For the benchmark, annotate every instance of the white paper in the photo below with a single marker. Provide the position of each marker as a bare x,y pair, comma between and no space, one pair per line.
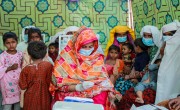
148,107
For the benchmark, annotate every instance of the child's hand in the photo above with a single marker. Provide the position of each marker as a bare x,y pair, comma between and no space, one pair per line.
147,81
127,77
127,70
14,66
134,81
115,70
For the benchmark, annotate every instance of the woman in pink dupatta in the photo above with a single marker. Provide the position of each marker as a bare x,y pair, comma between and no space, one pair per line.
73,70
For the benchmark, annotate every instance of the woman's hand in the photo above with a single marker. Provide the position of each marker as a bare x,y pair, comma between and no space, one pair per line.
174,103
83,86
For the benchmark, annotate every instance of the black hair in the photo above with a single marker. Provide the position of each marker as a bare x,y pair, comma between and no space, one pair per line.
138,42
114,47
173,32
54,45
157,61
8,35
115,34
26,30
37,49
129,46
34,30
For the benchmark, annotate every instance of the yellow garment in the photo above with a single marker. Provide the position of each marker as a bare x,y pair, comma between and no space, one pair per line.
118,29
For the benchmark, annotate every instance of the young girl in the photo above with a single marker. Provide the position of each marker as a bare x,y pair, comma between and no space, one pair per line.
35,79
114,66
127,57
53,51
22,46
10,68
34,34
149,80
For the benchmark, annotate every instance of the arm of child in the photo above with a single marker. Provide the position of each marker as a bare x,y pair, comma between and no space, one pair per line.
3,69
23,84
26,59
112,79
13,67
133,72
22,98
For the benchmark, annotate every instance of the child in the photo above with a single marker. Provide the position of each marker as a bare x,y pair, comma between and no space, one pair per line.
22,46
10,68
149,80
34,34
127,57
35,79
53,51
114,66
141,60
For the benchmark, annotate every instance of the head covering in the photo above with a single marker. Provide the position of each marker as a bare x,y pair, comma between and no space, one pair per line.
170,27
155,33
156,38
23,30
73,68
53,38
168,74
100,50
119,29
68,29
71,28
166,28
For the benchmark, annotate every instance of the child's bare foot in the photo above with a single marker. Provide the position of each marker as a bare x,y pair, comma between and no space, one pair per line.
139,100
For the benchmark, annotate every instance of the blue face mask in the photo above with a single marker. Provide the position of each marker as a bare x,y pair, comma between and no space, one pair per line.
153,67
165,38
86,52
122,39
25,38
148,41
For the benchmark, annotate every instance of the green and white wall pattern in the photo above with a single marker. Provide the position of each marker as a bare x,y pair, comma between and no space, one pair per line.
154,12
52,16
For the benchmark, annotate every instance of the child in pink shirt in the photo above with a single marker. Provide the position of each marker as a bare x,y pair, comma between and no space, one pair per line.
10,68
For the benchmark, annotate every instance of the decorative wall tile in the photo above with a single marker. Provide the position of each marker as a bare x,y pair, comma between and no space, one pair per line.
52,16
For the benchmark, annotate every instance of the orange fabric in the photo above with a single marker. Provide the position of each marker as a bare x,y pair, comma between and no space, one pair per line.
120,65
72,68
